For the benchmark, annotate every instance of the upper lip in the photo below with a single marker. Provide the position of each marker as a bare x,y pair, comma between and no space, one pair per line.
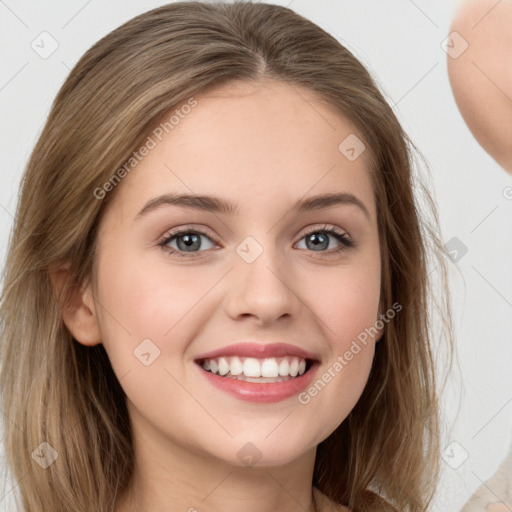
260,351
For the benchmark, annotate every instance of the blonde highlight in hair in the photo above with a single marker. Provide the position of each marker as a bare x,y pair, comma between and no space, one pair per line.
57,391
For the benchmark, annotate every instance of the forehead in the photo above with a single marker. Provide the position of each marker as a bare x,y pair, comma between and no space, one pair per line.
252,141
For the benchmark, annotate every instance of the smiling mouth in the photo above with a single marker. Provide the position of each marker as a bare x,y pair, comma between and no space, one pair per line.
251,369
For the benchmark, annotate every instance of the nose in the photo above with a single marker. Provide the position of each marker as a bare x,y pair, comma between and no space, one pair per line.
263,289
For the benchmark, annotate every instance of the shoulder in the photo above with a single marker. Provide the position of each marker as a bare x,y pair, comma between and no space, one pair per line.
325,504
372,499
376,500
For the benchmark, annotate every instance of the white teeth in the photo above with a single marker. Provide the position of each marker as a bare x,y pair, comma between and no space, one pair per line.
260,380
284,367
252,367
223,366
269,369
236,366
294,367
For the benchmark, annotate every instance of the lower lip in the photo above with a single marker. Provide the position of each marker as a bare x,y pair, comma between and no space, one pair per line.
261,392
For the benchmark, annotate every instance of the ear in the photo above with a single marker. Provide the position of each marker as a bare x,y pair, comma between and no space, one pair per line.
77,305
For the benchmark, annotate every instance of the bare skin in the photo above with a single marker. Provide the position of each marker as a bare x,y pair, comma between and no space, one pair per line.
481,77
265,148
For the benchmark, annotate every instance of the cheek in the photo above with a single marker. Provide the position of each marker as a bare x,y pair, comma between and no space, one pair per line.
148,314
148,299
144,309
350,317
347,301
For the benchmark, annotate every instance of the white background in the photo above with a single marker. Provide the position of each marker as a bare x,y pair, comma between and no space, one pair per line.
399,41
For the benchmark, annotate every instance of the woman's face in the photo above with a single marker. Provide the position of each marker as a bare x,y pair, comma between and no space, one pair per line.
262,272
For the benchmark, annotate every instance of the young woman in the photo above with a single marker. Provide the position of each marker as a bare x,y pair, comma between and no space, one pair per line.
216,294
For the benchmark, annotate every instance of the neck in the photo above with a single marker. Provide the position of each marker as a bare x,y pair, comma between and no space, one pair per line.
167,473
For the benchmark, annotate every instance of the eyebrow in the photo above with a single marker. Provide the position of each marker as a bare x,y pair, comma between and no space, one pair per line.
219,205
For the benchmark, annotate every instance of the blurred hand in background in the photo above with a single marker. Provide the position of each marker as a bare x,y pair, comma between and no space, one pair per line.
481,76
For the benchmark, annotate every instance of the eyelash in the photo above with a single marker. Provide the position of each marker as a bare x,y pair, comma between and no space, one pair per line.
346,242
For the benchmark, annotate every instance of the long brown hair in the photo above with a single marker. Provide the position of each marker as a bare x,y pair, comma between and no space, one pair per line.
59,392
